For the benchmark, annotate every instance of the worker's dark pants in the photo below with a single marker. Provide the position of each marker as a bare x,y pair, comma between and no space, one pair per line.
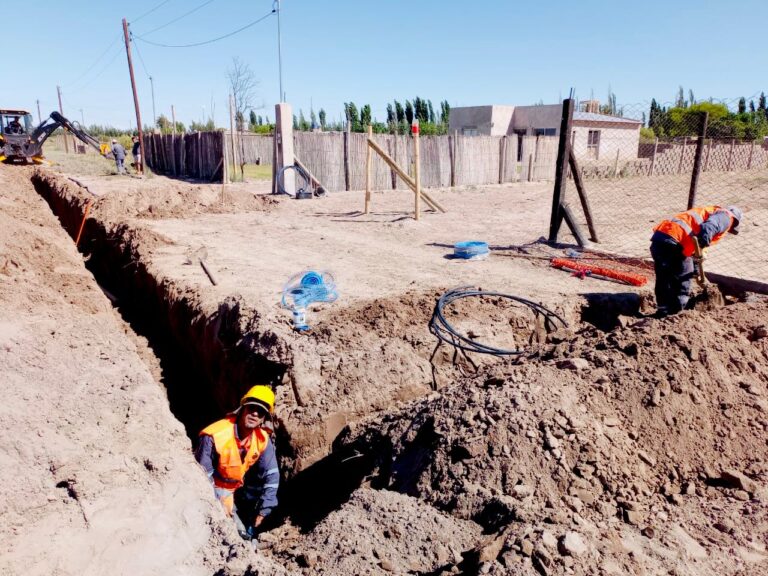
674,273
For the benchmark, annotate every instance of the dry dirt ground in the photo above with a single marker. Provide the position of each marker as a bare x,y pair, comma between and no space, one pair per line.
639,447
97,477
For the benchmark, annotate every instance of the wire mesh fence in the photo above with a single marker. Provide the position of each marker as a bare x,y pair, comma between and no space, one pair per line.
643,164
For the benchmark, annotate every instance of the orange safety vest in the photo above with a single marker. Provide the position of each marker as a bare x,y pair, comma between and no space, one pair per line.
682,227
232,468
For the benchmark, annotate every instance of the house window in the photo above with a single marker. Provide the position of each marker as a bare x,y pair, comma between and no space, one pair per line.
469,131
593,143
545,131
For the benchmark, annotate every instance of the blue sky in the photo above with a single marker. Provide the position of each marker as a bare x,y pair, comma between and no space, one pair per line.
469,53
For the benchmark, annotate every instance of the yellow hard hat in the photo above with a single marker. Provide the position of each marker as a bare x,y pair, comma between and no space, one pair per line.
260,395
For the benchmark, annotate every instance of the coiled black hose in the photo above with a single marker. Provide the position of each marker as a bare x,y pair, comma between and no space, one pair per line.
443,330
320,191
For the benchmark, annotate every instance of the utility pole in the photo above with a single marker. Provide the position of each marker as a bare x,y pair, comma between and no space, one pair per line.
61,111
135,94
39,116
82,118
154,115
279,53
173,118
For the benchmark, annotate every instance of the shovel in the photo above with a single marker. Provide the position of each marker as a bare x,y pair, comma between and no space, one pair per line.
711,296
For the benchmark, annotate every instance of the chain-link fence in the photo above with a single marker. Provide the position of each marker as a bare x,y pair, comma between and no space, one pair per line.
643,164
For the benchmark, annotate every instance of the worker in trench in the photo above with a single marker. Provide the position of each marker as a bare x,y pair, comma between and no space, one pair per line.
238,455
673,248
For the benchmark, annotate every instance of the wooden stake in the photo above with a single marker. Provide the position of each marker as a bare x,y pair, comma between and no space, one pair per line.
751,153
530,167
616,164
582,195
368,155
416,169
173,118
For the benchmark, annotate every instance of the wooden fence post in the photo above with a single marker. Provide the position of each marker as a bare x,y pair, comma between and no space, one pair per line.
561,169
653,158
616,164
502,158
730,154
368,171
346,157
530,167
453,149
416,168
682,155
697,159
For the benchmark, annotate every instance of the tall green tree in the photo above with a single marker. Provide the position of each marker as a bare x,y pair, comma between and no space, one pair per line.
680,100
365,116
321,116
431,112
409,111
399,112
742,105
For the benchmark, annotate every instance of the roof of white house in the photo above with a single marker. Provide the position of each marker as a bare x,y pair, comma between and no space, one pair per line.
592,117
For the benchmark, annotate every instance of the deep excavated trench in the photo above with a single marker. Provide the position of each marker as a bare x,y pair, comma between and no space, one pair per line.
200,355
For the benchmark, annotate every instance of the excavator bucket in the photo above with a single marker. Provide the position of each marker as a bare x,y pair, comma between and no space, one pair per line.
104,149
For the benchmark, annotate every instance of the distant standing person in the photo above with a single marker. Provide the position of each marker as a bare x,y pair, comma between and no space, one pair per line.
136,151
119,152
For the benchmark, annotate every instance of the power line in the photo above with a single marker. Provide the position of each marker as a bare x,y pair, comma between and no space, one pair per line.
177,19
208,41
147,13
91,67
104,69
141,59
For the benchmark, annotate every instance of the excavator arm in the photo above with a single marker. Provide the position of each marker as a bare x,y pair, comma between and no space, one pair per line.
56,120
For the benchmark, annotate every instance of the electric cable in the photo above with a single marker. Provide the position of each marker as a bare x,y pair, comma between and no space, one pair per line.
281,178
148,12
212,40
92,66
445,332
141,59
177,18
104,69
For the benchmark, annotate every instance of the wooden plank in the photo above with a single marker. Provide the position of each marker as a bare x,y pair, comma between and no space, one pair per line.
405,177
580,188
567,215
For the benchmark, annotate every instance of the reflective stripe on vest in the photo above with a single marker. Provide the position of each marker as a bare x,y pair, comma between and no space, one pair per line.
231,467
685,225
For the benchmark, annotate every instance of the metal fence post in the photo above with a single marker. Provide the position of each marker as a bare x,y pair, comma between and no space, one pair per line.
697,159
561,169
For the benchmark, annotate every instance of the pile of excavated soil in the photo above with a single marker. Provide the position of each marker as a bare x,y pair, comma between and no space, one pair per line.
641,450
96,475
375,532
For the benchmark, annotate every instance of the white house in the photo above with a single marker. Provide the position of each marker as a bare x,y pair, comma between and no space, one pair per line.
596,137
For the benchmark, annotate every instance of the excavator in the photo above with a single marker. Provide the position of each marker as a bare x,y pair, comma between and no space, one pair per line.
21,144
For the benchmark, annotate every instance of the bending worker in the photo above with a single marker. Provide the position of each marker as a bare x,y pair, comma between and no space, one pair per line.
240,460
673,247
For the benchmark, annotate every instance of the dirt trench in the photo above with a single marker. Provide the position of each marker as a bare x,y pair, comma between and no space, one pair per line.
622,445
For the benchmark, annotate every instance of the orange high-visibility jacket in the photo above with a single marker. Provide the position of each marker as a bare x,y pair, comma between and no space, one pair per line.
231,468
682,227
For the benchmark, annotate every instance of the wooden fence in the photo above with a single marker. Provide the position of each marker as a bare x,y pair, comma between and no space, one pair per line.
338,158
199,155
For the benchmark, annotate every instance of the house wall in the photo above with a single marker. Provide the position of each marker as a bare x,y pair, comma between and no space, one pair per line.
479,117
624,140
529,118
